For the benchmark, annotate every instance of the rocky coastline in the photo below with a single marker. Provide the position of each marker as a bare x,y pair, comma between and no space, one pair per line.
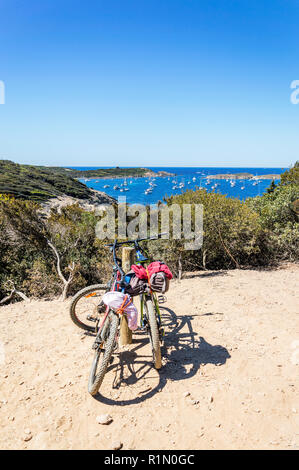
239,176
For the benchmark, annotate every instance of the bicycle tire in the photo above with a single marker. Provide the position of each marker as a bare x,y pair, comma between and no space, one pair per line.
75,301
154,334
96,378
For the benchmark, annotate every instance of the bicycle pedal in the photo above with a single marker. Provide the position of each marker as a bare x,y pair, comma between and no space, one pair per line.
162,299
97,345
140,328
91,318
161,333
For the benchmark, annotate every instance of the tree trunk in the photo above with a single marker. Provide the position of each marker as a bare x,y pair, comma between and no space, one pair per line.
12,295
71,267
180,266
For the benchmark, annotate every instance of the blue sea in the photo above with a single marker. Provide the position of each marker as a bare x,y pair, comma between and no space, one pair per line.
185,178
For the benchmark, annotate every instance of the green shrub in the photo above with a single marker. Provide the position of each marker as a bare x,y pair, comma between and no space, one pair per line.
279,220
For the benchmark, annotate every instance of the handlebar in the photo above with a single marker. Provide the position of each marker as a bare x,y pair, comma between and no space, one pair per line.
116,244
136,240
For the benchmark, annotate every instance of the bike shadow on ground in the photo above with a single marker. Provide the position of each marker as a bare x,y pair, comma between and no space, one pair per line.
183,352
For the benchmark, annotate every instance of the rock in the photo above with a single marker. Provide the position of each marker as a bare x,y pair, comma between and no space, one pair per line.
211,399
116,445
104,419
186,394
27,438
27,431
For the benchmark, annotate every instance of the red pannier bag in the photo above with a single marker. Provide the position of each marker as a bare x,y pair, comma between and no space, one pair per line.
159,282
157,274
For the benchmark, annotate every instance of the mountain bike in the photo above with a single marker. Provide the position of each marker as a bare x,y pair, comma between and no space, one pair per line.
89,312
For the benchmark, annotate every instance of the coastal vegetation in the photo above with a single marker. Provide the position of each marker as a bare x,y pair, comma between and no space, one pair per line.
57,254
40,183
110,172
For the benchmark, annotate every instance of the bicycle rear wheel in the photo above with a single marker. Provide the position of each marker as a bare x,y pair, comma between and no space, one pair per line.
103,355
154,333
87,308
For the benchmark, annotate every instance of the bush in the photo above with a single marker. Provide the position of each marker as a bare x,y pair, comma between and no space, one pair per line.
279,219
27,258
232,234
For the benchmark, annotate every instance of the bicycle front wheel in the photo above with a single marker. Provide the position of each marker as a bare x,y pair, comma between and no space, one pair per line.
154,333
87,308
102,356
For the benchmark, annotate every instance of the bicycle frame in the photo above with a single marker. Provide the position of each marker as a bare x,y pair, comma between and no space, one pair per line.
117,281
141,259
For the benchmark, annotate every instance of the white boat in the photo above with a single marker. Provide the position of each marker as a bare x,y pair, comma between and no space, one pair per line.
107,186
115,187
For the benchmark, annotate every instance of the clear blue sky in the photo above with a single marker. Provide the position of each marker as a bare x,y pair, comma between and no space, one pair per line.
149,82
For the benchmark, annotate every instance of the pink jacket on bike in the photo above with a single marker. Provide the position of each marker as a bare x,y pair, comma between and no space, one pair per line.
152,268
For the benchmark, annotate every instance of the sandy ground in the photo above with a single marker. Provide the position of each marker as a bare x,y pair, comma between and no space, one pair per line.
232,344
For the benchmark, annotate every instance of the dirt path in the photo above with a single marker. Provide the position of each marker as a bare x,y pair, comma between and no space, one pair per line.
230,375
